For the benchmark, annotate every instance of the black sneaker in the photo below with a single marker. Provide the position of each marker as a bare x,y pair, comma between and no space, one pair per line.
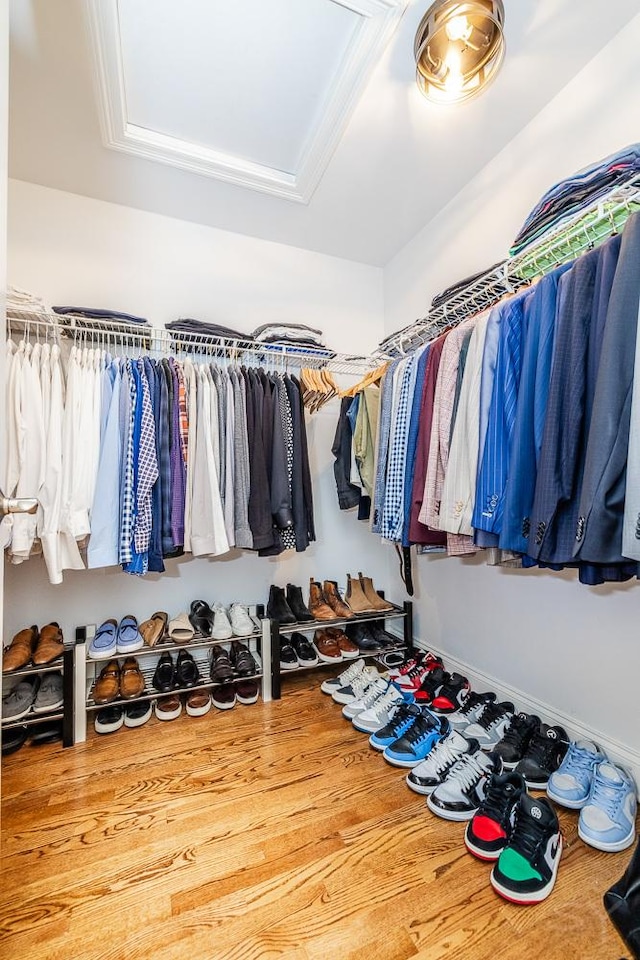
109,719
489,831
306,654
288,658
404,717
544,755
451,695
431,685
516,740
137,714
527,869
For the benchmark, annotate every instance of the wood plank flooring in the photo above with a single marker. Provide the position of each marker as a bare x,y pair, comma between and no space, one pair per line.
263,832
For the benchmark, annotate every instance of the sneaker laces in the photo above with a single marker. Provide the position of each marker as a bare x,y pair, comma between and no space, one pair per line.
579,761
498,801
388,699
492,714
405,713
372,694
444,756
607,795
518,733
421,729
542,749
352,671
473,700
359,685
468,770
527,836
407,667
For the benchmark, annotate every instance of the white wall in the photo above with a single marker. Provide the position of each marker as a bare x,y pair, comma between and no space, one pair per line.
70,249
569,646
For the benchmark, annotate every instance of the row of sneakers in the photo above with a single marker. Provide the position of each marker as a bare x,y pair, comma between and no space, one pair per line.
326,603
114,638
479,759
196,703
33,695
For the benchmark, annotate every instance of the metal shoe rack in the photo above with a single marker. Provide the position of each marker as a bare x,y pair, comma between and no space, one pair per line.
404,612
65,665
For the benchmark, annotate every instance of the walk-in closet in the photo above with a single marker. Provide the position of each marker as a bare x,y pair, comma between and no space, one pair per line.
319,474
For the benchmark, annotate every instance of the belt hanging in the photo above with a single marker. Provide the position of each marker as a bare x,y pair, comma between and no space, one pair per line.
404,558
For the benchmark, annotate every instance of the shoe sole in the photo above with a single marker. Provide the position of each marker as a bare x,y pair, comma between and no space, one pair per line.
123,650
247,701
479,853
198,711
165,715
563,802
308,663
378,746
18,716
608,847
329,688
138,721
224,706
289,666
399,762
102,654
326,659
457,816
49,706
418,788
529,898
108,728
227,635
237,632
350,654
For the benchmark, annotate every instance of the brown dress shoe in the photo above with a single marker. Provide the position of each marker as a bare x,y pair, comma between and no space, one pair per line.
18,653
327,647
335,601
347,647
107,686
318,606
356,598
131,679
50,645
373,596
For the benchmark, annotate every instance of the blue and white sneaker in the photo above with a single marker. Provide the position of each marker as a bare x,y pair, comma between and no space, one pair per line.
372,692
405,716
608,819
416,744
570,784
104,644
129,638
382,710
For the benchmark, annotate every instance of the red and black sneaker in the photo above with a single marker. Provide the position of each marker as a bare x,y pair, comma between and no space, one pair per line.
431,685
452,695
488,833
411,675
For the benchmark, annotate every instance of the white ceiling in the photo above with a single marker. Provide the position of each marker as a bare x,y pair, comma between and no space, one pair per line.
397,163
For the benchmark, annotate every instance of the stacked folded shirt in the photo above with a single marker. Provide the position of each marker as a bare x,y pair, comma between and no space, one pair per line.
461,285
21,301
92,313
578,191
202,329
297,334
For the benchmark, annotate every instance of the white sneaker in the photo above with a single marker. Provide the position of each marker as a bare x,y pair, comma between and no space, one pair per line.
380,712
376,689
356,687
221,626
432,771
343,679
461,793
241,623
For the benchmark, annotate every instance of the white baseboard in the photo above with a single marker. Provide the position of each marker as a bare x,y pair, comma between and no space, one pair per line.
619,752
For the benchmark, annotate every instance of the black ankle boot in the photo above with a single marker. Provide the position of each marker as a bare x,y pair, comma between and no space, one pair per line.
297,605
278,609
622,903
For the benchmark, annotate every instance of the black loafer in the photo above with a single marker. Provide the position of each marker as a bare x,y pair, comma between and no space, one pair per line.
201,617
221,666
109,719
13,738
187,673
243,660
306,654
163,678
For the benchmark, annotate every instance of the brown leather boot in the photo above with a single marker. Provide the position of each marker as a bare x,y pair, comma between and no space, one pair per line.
18,653
335,601
375,600
356,598
318,605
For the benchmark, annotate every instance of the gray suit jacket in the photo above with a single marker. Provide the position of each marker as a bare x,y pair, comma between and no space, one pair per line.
600,516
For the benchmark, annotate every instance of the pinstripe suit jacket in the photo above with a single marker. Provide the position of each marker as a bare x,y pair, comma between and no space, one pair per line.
600,522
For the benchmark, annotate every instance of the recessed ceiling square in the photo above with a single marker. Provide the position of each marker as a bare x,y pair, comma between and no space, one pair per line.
193,83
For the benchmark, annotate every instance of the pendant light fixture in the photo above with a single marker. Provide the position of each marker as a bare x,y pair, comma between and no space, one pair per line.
459,48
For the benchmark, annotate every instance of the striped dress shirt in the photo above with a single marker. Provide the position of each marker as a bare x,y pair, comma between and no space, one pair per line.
384,428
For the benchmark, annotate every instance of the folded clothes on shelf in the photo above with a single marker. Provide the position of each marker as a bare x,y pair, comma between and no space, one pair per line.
202,329
298,333
94,313
24,301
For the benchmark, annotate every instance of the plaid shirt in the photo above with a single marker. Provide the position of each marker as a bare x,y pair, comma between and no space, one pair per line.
393,510
184,414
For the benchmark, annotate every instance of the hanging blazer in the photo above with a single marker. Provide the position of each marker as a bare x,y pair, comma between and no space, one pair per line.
600,519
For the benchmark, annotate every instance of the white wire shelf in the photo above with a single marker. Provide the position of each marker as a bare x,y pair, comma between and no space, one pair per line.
574,236
117,335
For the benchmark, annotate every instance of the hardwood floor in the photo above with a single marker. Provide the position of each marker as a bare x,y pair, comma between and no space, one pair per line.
262,832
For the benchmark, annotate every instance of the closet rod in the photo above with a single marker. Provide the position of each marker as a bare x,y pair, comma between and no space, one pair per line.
574,236
159,341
